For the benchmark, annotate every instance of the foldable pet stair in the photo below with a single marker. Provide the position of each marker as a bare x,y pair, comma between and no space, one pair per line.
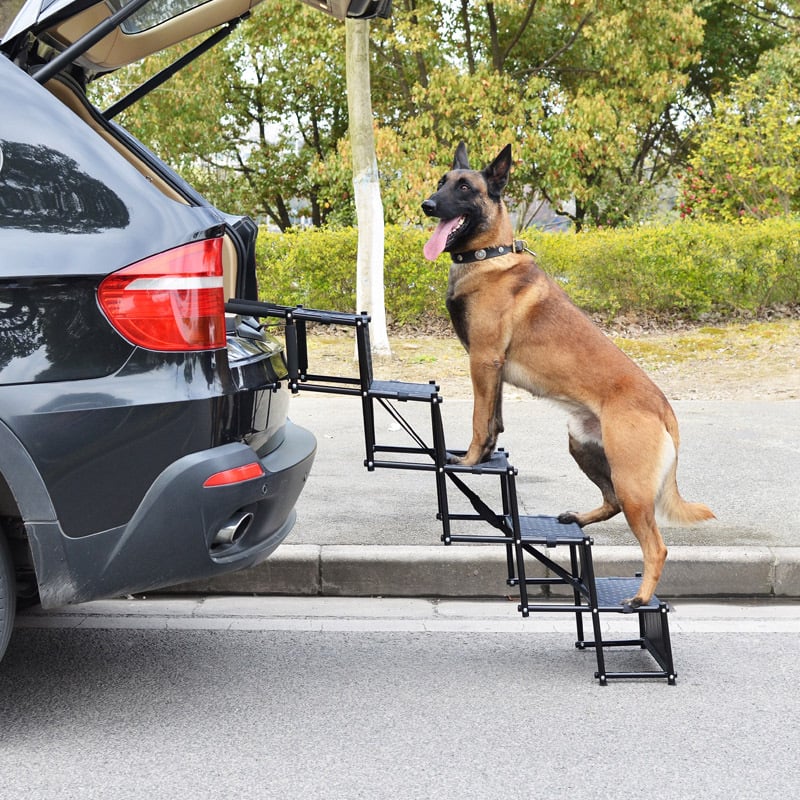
534,538
569,587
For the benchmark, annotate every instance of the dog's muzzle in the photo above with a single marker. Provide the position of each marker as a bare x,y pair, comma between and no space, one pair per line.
429,207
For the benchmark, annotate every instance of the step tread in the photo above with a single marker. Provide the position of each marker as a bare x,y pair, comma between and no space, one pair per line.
612,591
496,465
548,531
400,390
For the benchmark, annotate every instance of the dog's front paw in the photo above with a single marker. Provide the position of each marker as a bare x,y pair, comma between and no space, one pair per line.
464,461
568,517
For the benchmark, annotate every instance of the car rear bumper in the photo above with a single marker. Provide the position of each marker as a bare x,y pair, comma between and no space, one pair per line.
171,537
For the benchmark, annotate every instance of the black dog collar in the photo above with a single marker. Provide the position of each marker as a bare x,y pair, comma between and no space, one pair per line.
489,252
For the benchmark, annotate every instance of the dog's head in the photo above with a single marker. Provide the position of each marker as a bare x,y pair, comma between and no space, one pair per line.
467,202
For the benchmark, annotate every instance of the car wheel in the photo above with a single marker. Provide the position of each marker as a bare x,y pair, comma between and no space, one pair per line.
7,594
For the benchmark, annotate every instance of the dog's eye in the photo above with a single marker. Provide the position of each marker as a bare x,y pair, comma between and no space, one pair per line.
464,187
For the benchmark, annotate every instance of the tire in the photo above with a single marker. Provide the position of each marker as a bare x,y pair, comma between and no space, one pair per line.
8,595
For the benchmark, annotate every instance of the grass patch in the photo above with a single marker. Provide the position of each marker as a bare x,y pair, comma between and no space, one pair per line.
736,361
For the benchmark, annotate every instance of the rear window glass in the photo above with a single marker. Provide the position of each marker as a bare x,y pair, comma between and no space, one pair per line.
153,13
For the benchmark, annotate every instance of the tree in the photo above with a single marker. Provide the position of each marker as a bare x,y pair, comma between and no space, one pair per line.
369,209
601,100
251,120
582,88
747,161
735,35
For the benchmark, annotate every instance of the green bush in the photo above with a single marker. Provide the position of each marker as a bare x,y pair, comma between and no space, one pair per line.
688,268
314,268
317,268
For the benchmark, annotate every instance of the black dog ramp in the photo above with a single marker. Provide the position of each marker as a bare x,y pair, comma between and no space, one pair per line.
597,597
522,536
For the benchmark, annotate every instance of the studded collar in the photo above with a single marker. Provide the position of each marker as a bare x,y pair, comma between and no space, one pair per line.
482,254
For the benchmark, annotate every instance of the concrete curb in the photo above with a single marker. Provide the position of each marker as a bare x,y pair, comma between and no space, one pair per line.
480,570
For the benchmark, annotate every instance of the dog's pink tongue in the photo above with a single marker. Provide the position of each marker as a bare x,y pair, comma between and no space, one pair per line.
434,247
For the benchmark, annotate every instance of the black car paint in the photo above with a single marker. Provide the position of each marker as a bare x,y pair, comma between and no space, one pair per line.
99,444
104,446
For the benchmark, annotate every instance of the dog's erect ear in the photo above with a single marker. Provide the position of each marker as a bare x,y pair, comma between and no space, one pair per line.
461,161
496,173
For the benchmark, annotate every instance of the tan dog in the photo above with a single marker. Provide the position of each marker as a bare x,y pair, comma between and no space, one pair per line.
519,326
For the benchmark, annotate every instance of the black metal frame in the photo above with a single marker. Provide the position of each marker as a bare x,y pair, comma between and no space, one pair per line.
520,535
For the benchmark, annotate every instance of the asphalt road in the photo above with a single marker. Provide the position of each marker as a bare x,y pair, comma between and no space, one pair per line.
741,458
284,698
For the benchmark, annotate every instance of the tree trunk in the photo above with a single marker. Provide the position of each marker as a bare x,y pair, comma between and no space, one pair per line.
369,208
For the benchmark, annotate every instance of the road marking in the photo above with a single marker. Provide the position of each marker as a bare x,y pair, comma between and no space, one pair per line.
370,615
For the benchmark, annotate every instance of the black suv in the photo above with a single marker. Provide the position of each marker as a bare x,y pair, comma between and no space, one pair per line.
144,438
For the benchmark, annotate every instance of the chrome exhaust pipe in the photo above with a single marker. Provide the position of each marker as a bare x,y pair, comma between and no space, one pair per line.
233,529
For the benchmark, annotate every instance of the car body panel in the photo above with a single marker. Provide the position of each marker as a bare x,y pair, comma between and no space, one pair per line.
139,557
105,447
99,444
66,21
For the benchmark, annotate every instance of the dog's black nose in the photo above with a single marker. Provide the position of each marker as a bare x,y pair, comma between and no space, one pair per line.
429,207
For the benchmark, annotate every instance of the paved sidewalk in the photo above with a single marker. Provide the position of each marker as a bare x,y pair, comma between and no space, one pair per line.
363,533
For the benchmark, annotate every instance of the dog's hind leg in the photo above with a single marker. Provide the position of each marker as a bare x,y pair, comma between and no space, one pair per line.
638,466
591,458
641,519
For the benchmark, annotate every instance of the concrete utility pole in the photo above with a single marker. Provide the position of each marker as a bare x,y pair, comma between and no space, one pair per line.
369,208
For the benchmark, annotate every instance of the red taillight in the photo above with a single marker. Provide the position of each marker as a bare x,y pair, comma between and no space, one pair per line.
172,301
235,475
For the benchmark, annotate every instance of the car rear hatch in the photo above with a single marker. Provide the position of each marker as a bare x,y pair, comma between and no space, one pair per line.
65,44
109,34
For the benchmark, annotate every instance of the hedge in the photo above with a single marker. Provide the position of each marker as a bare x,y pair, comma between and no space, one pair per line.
685,269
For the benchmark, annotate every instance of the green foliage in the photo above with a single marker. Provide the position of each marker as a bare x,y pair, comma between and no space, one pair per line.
581,87
314,267
747,162
735,35
249,120
317,268
688,268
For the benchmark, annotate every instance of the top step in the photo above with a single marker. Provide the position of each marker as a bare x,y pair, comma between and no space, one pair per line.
256,308
401,391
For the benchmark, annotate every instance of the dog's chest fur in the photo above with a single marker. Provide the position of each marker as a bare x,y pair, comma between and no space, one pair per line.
457,308
486,291
511,314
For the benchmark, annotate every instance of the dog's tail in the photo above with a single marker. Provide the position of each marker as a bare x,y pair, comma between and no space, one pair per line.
674,507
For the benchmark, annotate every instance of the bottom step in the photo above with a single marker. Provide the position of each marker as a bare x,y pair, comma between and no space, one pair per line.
653,630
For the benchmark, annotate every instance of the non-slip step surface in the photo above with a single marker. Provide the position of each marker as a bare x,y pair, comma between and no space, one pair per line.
612,591
398,390
496,465
548,531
